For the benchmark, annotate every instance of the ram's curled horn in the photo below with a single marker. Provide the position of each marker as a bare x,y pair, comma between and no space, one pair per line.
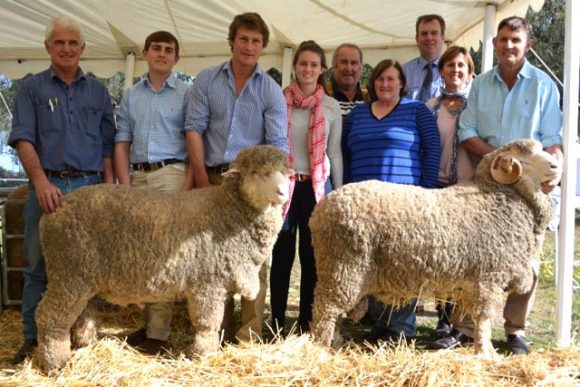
505,169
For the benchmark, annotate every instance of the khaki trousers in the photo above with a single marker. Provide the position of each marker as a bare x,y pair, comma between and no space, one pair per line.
252,311
515,312
157,317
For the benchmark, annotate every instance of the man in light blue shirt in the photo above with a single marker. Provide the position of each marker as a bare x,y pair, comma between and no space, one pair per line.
150,135
233,106
423,79
514,100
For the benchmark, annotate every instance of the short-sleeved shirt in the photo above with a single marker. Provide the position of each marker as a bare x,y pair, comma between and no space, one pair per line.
153,121
415,73
70,126
498,115
230,123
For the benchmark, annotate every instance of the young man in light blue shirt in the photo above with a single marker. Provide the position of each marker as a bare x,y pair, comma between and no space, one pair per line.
151,138
233,106
514,100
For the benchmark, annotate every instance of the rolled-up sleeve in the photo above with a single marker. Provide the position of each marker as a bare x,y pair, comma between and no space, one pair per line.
275,118
197,111
123,130
468,118
24,118
551,117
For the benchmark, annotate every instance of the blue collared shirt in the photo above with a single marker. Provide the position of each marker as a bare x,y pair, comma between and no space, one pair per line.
499,115
70,126
153,121
415,73
230,123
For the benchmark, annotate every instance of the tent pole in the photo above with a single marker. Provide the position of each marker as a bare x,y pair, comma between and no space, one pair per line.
129,70
488,34
568,211
286,66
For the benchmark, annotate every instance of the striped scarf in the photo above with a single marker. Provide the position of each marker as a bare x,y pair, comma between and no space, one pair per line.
319,163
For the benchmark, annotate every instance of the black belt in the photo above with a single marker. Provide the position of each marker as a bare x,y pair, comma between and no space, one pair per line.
69,174
299,177
148,167
219,169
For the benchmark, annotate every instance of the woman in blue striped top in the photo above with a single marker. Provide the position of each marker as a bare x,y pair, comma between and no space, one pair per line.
392,139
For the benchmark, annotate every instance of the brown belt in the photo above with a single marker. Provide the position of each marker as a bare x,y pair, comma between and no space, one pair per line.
300,177
70,174
149,167
218,169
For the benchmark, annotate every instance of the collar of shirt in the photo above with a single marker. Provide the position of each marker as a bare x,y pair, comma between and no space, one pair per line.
228,69
525,71
339,95
80,74
169,82
422,62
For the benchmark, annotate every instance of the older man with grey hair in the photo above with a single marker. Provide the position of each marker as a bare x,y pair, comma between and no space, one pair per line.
63,131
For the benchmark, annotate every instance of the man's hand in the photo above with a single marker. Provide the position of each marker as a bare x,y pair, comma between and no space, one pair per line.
48,196
557,152
548,186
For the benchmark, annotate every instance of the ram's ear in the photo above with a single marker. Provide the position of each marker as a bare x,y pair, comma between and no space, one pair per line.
505,169
290,172
232,172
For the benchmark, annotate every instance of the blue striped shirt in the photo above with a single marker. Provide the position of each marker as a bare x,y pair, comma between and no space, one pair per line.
402,147
153,121
415,73
499,115
230,123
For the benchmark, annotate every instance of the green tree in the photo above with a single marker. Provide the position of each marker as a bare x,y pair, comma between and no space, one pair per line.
549,29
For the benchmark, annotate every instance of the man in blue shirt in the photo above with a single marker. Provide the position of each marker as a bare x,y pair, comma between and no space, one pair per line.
233,106
423,79
514,100
150,134
63,132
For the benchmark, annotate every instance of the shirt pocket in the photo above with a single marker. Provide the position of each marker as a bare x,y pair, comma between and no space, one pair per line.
92,117
49,117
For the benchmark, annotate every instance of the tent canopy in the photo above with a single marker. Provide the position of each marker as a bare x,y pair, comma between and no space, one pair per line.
113,28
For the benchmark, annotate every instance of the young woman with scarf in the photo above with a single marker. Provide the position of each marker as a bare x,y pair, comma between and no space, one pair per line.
456,68
314,134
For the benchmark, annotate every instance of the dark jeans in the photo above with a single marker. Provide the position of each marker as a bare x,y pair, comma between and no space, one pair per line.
401,320
301,207
35,273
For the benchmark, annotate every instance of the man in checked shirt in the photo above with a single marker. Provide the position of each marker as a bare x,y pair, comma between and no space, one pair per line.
150,137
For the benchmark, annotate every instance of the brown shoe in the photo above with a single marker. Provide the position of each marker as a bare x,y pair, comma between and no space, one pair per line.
153,347
134,339
25,351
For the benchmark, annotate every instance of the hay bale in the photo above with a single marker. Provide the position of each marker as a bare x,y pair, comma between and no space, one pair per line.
295,361
14,211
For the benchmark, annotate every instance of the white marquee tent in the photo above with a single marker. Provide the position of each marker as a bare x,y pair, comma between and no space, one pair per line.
116,29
